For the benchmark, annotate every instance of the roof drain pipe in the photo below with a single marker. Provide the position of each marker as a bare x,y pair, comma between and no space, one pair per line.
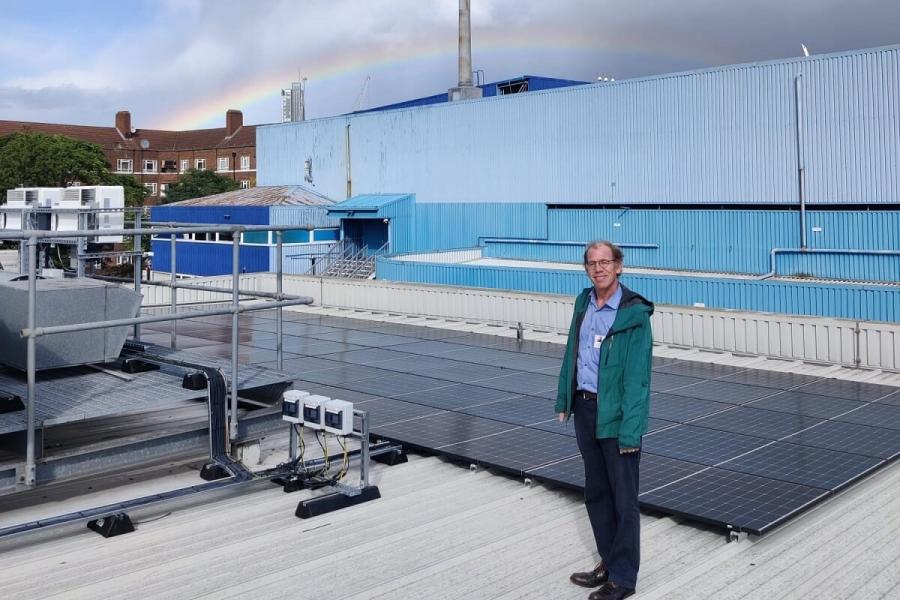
801,169
775,251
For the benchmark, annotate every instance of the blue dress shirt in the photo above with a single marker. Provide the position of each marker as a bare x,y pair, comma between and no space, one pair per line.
597,322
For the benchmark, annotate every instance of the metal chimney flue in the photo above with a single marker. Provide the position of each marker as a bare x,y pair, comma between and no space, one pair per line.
465,89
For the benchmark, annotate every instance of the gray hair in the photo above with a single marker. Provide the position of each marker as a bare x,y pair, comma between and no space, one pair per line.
617,253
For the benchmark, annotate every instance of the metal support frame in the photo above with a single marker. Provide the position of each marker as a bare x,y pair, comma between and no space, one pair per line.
31,239
851,251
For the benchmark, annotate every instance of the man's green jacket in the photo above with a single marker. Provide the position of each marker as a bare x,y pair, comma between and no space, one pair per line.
623,392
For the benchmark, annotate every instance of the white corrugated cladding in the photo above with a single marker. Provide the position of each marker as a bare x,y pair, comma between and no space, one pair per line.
725,135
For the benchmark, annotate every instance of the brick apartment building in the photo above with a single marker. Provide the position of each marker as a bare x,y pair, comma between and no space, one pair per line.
157,158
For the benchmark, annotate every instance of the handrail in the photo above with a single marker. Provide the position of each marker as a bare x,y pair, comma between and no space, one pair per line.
851,251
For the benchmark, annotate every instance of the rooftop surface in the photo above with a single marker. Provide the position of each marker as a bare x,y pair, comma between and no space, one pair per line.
438,531
267,195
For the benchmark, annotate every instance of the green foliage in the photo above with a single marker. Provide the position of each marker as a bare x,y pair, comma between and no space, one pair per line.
198,183
42,160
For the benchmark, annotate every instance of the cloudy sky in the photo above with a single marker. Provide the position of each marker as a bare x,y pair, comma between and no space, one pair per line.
179,64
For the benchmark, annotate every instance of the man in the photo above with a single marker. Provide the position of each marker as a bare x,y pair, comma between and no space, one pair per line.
605,383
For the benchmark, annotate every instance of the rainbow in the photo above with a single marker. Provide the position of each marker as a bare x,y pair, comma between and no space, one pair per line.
355,62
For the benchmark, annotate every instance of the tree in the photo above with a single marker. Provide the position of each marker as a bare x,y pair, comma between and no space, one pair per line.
196,183
50,160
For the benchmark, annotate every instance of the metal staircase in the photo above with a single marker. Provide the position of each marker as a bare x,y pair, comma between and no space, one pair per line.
347,261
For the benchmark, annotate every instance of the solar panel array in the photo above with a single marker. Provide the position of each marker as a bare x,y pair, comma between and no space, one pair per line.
736,447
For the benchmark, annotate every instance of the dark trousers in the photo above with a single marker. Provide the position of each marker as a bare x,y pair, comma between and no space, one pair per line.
610,496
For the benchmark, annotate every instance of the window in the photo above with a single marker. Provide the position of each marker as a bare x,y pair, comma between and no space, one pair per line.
326,235
151,188
245,184
123,165
169,166
245,163
296,236
200,163
226,236
149,166
223,163
256,237
164,189
185,165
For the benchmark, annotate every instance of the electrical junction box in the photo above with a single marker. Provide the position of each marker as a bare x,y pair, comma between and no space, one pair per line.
292,406
339,417
314,411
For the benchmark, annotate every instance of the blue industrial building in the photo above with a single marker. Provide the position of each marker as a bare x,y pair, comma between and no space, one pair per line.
211,254
771,186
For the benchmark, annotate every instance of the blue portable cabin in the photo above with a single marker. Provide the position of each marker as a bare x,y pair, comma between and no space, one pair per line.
205,254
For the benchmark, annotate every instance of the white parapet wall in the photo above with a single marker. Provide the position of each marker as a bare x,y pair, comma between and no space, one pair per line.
815,339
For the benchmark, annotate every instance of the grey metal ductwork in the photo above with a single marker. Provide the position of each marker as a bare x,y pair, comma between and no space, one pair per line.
63,302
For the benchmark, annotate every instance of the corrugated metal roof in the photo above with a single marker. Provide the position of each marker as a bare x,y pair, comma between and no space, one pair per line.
368,202
270,195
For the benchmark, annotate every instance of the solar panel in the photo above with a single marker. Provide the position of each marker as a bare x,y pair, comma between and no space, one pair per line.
439,430
745,502
369,356
520,410
385,411
522,383
517,450
568,472
806,404
723,391
754,421
657,471
398,384
681,408
564,428
774,379
664,382
461,372
814,467
874,414
697,369
455,396
853,390
850,437
893,399
700,445
341,374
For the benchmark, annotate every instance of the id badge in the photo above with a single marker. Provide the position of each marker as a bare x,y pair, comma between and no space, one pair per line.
598,339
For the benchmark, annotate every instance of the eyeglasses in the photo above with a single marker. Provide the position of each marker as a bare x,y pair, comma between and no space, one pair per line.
593,264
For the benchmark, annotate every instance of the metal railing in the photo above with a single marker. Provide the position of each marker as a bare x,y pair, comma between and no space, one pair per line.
32,331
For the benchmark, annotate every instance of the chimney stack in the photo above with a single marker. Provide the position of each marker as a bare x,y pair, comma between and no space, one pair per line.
123,123
234,120
465,89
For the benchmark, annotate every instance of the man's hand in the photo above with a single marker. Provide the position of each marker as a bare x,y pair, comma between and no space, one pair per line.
628,450
562,417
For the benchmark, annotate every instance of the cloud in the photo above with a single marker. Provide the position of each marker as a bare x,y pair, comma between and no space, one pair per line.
186,52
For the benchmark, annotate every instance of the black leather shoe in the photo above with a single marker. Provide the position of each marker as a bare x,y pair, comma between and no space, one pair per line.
591,579
610,591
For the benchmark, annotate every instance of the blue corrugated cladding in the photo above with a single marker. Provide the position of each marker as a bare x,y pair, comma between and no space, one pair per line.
225,215
209,258
719,136
316,216
864,302
442,226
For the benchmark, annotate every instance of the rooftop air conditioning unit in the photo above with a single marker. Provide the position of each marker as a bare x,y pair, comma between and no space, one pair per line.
98,197
65,210
30,198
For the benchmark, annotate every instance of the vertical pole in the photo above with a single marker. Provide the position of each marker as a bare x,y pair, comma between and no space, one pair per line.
279,286
138,264
364,450
173,291
465,44
347,160
31,358
80,245
801,169
235,317
293,442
